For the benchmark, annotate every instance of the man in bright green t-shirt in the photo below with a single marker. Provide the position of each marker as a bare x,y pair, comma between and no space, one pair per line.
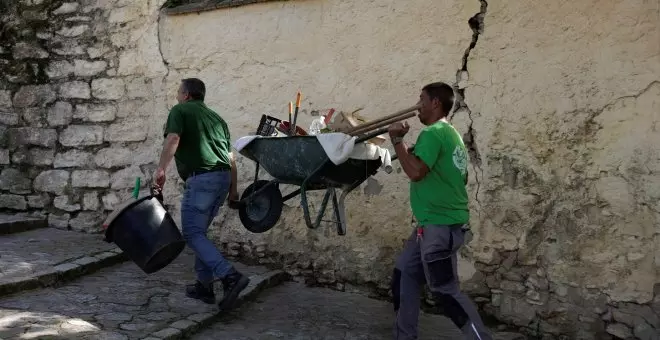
198,140
437,168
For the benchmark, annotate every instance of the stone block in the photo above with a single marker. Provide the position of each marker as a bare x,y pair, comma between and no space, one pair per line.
52,181
14,202
38,201
95,112
75,89
124,14
62,203
66,8
24,50
5,100
34,116
110,201
73,158
90,179
59,69
84,68
113,157
90,222
91,201
128,130
32,136
60,114
14,181
68,48
4,156
125,178
34,95
138,88
59,220
73,31
8,118
619,330
4,136
82,135
40,157
108,88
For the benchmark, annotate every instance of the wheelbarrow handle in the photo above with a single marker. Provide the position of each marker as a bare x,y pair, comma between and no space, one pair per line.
371,135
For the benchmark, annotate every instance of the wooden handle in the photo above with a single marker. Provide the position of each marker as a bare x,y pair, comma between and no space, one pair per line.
372,125
290,108
298,99
381,124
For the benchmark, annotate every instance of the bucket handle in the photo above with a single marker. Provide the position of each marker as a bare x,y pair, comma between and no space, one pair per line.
157,193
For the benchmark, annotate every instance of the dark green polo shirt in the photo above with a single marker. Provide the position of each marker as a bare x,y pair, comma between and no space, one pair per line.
204,143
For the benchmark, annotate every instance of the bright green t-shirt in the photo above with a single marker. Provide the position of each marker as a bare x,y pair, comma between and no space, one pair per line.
204,143
441,197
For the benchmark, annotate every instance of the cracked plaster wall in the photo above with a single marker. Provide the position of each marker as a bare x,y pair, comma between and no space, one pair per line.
561,116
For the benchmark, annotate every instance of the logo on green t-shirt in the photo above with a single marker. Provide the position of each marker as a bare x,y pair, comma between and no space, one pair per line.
460,159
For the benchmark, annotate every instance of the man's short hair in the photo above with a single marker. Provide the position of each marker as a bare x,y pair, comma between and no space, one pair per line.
194,87
443,92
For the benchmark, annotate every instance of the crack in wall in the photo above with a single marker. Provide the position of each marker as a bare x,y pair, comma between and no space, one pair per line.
476,23
160,47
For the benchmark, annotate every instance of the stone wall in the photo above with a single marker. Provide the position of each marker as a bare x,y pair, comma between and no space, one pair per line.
75,115
561,109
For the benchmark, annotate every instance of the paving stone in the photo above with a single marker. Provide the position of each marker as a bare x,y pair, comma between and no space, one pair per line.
320,313
16,223
28,253
119,302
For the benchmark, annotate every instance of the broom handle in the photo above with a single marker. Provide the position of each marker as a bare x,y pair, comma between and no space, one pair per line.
373,123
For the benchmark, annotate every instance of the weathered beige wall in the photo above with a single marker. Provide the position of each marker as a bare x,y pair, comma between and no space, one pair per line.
563,105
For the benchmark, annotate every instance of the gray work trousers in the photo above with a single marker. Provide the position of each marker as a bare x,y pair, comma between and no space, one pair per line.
432,258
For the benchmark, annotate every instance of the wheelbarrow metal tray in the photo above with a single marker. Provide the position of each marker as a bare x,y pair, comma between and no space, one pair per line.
292,160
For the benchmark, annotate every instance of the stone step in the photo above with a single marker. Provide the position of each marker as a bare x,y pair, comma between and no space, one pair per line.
10,224
120,303
49,257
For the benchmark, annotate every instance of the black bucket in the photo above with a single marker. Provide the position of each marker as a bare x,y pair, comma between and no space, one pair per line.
146,233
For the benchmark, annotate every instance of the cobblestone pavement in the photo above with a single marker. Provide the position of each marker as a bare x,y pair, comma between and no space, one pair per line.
24,254
117,303
294,312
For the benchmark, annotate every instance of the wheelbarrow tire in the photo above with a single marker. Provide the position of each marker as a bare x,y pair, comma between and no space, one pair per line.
260,213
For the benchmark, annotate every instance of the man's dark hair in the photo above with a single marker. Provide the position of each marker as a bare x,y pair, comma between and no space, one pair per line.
442,92
194,87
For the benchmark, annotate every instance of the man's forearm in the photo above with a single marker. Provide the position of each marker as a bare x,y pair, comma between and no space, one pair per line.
411,165
171,143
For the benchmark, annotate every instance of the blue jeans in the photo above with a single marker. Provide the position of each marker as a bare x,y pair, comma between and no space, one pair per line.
203,196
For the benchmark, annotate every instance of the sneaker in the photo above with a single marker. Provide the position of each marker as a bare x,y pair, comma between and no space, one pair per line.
232,285
200,292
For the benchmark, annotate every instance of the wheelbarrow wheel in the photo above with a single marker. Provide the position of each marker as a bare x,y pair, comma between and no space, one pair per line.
260,212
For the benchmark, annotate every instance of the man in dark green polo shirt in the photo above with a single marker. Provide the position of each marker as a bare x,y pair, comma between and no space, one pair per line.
198,139
437,168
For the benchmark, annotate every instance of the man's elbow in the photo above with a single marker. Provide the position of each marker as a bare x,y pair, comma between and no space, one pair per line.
417,176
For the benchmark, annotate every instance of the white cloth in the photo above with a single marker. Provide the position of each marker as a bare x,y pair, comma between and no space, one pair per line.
243,141
339,147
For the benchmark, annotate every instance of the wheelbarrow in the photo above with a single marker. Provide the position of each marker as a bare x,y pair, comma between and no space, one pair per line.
299,161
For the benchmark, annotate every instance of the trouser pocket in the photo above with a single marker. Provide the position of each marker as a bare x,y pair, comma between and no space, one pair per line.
439,266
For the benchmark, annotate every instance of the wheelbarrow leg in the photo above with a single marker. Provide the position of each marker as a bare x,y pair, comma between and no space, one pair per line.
339,215
329,192
305,204
340,211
